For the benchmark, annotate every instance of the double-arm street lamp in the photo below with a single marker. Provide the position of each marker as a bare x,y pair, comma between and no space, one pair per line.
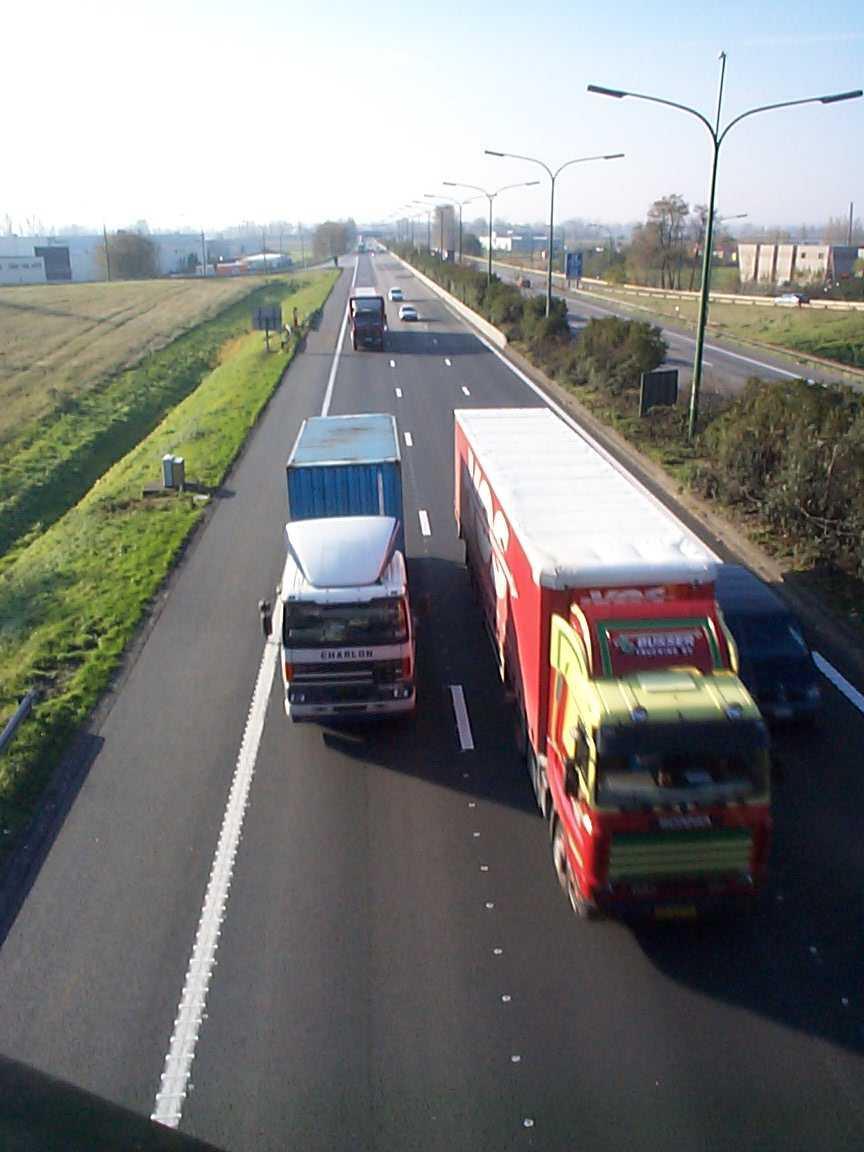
553,176
717,137
424,208
490,196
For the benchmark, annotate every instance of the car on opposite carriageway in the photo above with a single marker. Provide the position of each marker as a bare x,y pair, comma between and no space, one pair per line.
776,664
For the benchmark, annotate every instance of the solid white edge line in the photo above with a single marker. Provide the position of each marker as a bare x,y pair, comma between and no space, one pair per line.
839,681
409,440
423,517
463,724
168,1106
328,395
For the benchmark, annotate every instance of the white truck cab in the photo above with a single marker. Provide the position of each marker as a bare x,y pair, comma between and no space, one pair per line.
343,619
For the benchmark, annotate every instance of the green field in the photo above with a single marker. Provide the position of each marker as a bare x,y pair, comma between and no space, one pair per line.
73,596
74,407
821,332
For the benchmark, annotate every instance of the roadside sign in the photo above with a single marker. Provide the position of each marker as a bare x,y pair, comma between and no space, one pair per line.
268,319
658,388
573,269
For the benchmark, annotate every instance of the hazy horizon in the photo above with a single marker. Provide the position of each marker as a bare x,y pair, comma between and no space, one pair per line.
194,116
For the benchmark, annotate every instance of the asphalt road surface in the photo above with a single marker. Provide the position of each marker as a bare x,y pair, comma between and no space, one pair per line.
727,365
397,968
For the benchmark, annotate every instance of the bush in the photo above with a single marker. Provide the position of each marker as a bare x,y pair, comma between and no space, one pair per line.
795,452
613,353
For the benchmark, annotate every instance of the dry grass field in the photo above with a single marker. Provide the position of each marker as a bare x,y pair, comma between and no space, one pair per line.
57,341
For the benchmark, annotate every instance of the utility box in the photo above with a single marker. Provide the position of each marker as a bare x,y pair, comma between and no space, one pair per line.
179,471
167,470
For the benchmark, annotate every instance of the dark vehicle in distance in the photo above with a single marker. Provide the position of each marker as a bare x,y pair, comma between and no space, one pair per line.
368,319
776,664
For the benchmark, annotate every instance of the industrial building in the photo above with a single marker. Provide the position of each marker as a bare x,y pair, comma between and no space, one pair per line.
797,263
55,259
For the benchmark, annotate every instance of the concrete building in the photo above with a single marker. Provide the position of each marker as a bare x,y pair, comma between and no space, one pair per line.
771,264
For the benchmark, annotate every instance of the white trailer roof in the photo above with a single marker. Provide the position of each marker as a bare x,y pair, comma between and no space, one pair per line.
581,519
342,551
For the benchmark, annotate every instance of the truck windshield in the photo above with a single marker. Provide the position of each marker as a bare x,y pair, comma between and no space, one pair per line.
653,766
368,309
331,625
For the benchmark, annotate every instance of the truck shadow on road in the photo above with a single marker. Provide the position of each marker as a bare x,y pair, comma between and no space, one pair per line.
452,649
798,959
415,342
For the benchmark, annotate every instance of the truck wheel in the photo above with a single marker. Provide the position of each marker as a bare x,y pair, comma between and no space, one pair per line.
539,781
581,908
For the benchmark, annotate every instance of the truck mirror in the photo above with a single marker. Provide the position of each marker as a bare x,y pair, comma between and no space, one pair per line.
266,614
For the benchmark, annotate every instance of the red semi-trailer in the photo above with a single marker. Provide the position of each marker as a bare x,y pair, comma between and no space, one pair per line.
648,756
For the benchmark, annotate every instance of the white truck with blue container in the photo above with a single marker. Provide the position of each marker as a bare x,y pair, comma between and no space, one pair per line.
343,617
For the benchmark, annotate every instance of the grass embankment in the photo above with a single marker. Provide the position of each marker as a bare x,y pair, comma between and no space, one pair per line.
70,420
830,335
72,598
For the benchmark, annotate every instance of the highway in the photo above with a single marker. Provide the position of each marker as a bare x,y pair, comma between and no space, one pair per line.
727,364
396,967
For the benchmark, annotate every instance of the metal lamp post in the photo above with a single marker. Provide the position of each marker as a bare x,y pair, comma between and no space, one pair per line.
553,176
490,196
717,137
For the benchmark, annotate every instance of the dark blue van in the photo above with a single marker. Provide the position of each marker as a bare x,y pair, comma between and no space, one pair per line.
776,664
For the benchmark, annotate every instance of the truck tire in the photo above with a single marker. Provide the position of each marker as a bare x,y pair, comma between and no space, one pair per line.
537,773
581,908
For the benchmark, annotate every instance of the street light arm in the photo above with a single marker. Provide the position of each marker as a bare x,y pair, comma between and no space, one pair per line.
653,100
459,184
835,99
516,156
521,184
585,159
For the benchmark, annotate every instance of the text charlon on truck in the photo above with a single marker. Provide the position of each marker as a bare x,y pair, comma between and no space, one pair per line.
648,756
342,614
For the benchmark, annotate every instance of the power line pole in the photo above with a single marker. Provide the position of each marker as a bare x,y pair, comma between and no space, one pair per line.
203,255
851,212
107,251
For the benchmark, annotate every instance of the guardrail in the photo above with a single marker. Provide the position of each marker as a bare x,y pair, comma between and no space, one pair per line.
21,712
673,293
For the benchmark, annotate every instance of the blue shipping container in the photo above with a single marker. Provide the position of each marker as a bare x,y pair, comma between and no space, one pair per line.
346,466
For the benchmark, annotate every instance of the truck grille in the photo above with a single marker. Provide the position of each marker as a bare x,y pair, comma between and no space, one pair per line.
653,855
361,672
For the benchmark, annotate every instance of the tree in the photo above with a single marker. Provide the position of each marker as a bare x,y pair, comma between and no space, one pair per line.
332,238
133,257
837,230
668,218
471,246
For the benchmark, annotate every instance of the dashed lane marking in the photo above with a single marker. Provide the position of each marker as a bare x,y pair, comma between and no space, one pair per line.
409,440
447,362
467,391
423,517
398,392
463,724
839,681
392,363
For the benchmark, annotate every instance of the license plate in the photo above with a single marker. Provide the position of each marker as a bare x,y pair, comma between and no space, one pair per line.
675,912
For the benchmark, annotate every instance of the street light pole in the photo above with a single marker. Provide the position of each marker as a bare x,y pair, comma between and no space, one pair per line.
553,176
717,138
490,196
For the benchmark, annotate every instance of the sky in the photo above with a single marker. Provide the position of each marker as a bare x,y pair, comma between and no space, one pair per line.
202,115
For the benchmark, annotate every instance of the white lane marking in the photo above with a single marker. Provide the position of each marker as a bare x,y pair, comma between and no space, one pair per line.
423,516
463,724
398,392
409,440
328,395
706,363
467,391
839,681
447,362
392,363
168,1107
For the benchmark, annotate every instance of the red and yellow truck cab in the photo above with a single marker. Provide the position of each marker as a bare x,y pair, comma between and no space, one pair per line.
648,756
